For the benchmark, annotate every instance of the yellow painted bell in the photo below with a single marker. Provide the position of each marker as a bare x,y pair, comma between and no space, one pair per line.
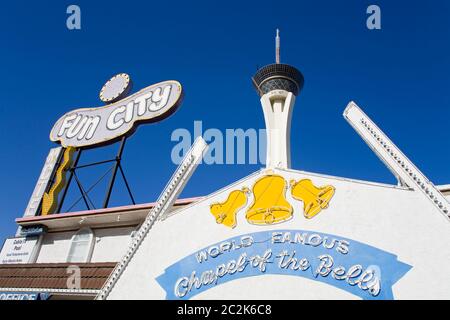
314,198
269,205
225,212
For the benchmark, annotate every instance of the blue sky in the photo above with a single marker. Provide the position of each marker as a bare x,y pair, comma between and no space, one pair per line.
399,75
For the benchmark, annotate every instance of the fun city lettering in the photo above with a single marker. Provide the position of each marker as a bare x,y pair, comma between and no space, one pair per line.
84,126
92,126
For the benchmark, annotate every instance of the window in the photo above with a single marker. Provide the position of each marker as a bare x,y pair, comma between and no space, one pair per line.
81,246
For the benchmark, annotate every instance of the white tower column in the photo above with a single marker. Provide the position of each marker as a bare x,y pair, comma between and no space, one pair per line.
277,85
277,107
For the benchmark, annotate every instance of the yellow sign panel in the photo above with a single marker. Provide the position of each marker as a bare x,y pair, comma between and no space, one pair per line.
50,199
270,205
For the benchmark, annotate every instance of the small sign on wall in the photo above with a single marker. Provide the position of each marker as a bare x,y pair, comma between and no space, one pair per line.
18,250
23,296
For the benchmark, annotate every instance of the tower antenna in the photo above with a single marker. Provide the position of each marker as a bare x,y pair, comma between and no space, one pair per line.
277,47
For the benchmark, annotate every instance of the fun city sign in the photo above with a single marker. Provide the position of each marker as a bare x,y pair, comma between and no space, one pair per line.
93,127
102,125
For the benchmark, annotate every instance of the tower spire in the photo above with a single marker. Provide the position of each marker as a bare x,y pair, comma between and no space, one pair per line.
277,47
277,85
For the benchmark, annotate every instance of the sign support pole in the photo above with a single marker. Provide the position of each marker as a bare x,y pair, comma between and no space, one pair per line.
114,173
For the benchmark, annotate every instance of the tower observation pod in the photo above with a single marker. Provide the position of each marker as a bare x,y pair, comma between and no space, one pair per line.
278,84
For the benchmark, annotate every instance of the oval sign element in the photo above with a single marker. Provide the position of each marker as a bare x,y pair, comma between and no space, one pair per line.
104,125
115,88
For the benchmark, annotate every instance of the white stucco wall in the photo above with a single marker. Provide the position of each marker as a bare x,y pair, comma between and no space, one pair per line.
396,220
109,245
54,247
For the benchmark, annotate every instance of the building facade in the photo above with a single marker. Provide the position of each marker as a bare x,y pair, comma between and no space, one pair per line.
278,233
